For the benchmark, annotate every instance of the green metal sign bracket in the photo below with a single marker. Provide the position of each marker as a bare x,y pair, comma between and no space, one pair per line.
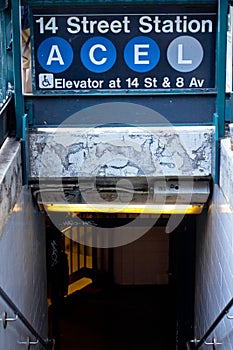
221,64
114,2
19,99
219,116
21,128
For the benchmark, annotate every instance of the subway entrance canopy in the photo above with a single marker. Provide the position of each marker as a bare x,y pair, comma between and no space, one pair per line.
164,55
123,90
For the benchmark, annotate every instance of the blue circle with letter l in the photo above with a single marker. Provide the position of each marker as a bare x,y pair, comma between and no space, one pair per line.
141,54
98,54
55,54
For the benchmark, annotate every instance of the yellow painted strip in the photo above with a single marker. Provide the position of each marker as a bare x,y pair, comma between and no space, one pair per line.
134,209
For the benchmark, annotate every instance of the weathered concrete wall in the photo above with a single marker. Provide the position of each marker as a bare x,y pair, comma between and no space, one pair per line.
214,270
121,152
10,178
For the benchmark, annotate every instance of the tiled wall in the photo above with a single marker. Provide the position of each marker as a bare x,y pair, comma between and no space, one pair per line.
214,270
22,253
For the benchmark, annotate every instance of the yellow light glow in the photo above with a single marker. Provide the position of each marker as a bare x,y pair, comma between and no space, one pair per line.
225,208
17,208
78,285
134,208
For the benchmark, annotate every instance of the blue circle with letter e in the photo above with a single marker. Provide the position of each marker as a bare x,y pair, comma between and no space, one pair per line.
55,54
141,54
98,54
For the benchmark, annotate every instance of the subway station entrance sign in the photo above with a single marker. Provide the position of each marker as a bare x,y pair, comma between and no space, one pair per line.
124,49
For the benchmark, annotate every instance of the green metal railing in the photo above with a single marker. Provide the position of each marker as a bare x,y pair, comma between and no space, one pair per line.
6,81
4,62
5,119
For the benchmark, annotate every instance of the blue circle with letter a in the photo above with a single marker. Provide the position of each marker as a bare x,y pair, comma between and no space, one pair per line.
98,54
55,55
141,54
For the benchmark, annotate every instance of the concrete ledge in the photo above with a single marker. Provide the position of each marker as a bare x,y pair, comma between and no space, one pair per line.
121,152
10,178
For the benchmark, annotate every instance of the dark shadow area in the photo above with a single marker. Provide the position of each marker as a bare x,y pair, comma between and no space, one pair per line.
107,316
118,317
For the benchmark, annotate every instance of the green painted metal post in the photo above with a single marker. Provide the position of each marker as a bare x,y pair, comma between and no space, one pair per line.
216,155
219,116
21,117
17,69
221,64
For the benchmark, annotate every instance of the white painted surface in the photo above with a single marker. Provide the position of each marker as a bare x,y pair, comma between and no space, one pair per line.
214,270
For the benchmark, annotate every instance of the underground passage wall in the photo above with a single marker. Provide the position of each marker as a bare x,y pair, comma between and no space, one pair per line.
214,257
22,252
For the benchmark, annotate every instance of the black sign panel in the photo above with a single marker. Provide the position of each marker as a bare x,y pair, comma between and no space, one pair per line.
124,49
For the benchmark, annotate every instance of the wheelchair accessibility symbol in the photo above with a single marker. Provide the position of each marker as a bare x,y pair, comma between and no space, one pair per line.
46,81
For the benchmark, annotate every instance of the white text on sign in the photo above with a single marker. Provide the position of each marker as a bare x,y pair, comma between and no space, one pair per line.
146,24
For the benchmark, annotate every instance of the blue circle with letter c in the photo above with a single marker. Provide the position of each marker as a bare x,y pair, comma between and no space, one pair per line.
141,54
55,54
98,54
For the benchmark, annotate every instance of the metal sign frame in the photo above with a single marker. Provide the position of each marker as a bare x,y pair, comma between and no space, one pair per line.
94,51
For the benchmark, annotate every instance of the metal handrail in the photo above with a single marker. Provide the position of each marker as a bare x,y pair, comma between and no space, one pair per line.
203,340
19,315
4,119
